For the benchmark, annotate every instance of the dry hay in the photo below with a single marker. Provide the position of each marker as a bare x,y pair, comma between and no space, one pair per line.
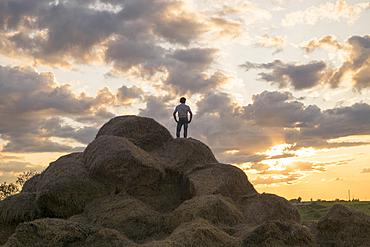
164,195
344,226
216,209
162,243
201,232
126,214
58,232
223,179
312,226
18,208
107,237
119,164
14,210
65,187
31,184
185,154
267,207
144,132
277,233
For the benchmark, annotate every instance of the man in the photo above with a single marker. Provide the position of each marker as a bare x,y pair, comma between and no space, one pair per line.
183,111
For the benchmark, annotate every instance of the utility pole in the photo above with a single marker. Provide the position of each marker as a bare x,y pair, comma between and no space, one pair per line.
349,195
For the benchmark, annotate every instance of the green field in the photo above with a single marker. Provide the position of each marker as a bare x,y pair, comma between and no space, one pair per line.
318,209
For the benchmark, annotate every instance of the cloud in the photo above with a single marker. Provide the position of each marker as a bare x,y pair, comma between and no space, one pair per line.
273,118
63,33
272,180
34,109
329,41
10,169
356,66
298,76
327,11
366,170
269,41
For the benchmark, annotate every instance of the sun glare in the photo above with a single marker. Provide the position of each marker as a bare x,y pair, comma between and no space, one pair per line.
277,149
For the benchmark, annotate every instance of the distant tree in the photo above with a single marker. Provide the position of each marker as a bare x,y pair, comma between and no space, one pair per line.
14,188
311,200
8,190
299,199
337,199
24,176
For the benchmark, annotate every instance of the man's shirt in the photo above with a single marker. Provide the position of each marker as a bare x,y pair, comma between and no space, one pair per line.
183,110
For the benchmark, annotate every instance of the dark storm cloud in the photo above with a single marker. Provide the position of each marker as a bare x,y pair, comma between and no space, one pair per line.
298,76
34,109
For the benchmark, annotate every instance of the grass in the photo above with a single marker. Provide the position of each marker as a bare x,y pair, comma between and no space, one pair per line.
318,209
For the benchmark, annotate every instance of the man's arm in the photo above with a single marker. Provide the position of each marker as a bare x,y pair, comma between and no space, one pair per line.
191,116
174,116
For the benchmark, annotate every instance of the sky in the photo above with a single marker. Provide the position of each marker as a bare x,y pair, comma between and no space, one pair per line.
278,88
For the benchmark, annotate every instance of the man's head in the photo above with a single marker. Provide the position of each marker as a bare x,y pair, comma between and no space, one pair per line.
182,100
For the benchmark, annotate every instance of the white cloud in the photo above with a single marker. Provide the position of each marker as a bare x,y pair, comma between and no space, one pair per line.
327,11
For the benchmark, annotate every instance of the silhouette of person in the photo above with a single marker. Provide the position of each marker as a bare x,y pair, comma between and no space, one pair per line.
183,111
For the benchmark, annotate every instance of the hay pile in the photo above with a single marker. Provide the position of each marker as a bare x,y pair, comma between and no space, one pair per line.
58,232
126,214
120,165
145,133
278,233
218,210
135,185
268,207
14,210
64,188
344,226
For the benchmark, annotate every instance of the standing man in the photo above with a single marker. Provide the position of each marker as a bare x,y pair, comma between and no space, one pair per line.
183,110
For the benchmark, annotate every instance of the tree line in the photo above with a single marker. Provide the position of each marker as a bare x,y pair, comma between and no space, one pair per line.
14,188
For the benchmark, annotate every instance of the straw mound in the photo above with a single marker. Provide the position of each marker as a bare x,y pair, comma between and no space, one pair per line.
144,132
119,164
201,232
128,215
58,232
266,207
135,184
312,226
277,233
163,243
31,184
64,187
185,154
216,209
344,226
216,178
14,210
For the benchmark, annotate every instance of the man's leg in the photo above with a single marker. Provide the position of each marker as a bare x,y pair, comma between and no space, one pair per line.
186,129
178,129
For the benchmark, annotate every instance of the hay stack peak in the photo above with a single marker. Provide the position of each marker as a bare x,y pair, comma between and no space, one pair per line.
135,185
